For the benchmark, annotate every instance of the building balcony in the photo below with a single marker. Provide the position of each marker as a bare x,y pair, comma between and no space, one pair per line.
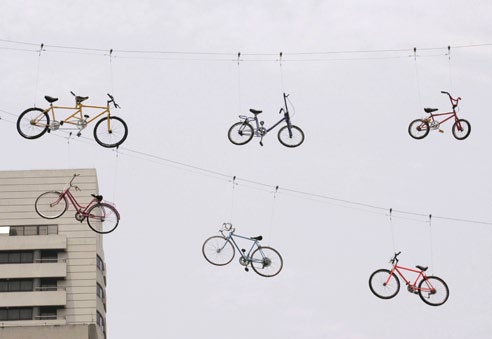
35,270
45,242
33,298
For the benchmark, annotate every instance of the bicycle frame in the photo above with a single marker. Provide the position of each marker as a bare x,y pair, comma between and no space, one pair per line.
285,118
414,287
451,115
77,116
454,104
245,256
79,208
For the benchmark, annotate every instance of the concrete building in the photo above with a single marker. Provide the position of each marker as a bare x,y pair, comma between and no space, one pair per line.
52,272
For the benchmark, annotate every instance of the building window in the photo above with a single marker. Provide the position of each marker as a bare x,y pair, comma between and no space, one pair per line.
31,230
100,321
100,292
16,285
48,313
48,284
100,264
15,313
16,257
49,256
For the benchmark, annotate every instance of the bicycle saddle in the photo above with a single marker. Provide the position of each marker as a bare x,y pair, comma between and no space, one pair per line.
430,110
50,99
422,268
98,197
255,111
259,238
80,99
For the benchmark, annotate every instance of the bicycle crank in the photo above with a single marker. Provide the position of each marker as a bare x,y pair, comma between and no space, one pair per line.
79,217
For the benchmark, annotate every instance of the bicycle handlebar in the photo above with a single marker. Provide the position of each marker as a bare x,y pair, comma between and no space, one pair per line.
395,258
72,185
112,100
454,102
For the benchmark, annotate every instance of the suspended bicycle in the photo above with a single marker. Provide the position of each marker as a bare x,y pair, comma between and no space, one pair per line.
420,128
101,217
110,131
385,284
219,250
242,132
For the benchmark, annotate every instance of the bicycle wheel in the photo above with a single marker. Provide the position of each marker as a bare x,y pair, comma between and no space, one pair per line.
291,138
51,205
381,286
110,133
418,129
461,129
433,291
266,261
103,218
240,133
33,123
217,250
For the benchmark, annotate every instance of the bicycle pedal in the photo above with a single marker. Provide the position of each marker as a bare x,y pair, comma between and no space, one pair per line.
246,269
79,134
441,131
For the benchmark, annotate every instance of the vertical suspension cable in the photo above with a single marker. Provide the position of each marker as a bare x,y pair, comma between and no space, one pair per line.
239,82
450,73
430,243
232,198
272,214
281,72
417,78
111,80
115,176
392,229
37,74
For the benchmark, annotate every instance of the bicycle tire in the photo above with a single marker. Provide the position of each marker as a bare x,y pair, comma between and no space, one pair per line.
103,218
218,251
438,294
462,131
110,137
418,129
242,135
379,287
290,138
33,123
45,208
266,261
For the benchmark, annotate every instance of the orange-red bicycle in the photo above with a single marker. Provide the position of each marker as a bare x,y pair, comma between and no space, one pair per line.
385,284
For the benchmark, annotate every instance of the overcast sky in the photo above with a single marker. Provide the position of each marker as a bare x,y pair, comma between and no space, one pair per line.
354,109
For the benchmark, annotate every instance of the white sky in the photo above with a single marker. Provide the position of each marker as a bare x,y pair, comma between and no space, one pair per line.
354,110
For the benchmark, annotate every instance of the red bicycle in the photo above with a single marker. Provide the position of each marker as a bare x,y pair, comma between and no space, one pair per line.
385,284
101,217
419,128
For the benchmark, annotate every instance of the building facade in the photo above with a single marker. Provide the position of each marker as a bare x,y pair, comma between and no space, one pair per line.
52,271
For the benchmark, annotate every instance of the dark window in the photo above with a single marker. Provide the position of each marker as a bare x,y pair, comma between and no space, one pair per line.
49,256
33,230
47,313
16,257
100,264
30,230
27,257
48,284
100,321
100,292
15,313
16,285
